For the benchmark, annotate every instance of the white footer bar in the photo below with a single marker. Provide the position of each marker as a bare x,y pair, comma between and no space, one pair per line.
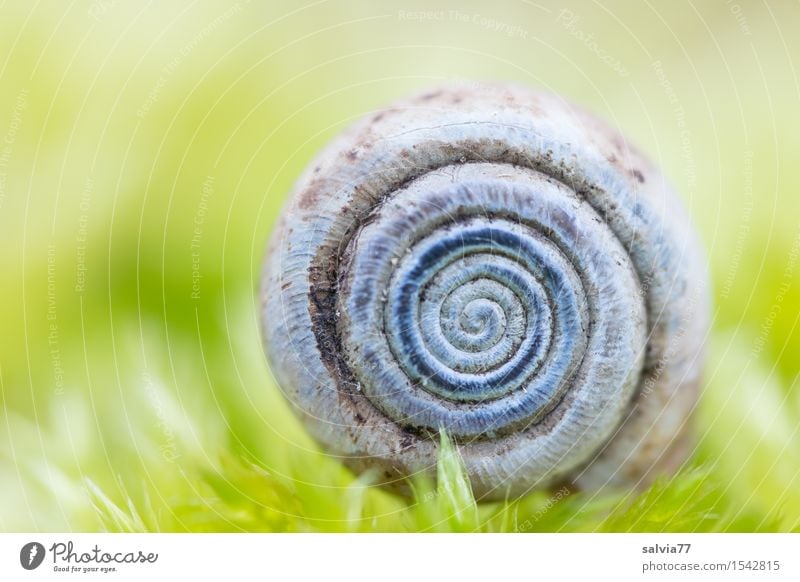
410,558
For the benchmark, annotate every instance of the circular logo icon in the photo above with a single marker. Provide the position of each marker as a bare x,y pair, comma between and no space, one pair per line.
31,555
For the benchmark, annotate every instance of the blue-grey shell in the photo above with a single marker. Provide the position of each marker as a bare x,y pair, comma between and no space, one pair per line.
492,261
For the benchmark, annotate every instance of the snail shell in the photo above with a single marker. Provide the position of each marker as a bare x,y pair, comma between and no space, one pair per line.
496,263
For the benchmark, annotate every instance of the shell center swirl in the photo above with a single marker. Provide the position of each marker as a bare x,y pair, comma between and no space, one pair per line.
468,314
471,306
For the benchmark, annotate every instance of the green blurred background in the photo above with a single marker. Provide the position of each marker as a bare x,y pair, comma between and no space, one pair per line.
146,149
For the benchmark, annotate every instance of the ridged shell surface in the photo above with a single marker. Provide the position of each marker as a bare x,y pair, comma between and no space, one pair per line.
494,262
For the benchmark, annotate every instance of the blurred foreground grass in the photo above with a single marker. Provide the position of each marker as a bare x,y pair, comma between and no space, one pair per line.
145,151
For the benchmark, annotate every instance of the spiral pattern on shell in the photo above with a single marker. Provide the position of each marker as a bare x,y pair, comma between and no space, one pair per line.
498,264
